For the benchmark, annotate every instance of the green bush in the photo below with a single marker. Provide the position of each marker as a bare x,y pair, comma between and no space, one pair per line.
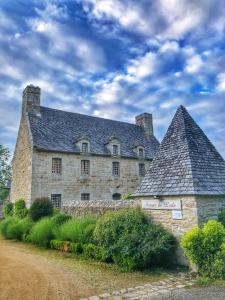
8,209
42,232
78,230
132,241
41,207
221,217
205,248
60,245
92,251
60,219
76,248
4,225
14,230
20,210
26,225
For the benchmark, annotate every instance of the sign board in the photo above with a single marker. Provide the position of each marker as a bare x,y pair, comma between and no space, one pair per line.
177,215
161,204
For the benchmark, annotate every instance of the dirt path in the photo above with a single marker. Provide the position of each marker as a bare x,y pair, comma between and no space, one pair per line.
28,276
27,273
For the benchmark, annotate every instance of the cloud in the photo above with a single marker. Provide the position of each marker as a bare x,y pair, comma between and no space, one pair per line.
221,82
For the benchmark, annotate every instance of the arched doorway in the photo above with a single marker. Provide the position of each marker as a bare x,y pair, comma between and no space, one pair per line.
116,196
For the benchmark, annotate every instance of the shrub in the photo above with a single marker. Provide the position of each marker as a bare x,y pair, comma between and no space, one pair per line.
76,248
92,251
78,230
60,245
132,242
8,209
14,230
127,196
20,210
41,207
42,232
60,219
26,225
204,247
221,217
5,224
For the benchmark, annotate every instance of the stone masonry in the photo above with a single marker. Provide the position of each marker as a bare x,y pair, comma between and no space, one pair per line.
101,184
45,134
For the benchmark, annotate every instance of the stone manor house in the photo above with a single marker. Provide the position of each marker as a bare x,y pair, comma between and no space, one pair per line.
70,157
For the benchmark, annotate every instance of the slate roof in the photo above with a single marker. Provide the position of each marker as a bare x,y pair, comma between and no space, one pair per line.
186,163
56,130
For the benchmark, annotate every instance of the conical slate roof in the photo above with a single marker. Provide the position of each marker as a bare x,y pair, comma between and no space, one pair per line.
186,163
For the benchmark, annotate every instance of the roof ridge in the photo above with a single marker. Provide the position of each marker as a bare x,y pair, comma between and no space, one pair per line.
188,143
90,116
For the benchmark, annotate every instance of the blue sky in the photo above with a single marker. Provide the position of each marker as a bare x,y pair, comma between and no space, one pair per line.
115,59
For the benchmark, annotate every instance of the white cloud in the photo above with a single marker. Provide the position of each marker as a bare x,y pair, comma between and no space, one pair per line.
142,66
169,46
221,82
194,64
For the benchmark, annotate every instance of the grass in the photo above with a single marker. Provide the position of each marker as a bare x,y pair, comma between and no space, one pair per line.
205,281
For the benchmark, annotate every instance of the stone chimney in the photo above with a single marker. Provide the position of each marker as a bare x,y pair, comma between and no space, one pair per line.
145,121
31,99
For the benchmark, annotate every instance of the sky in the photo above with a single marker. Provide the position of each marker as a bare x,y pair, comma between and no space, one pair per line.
115,59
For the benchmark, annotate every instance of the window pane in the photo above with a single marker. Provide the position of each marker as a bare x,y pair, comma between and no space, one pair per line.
141,152
56,200
84,147
115,149
116,168
85,167
141,169
85,196
57,165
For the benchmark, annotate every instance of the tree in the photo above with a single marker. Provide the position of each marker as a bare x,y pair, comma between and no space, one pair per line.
5,166
5,171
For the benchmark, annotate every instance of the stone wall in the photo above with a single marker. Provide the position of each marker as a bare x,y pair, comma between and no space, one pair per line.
101,184
209,208
177,227
22,165
97,207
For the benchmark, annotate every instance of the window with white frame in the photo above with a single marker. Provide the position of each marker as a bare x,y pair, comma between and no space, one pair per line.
85,167
115,149
84,147
116,168
85,196
142,170
56,165
56,200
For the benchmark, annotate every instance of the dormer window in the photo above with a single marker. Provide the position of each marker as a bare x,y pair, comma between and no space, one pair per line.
115,149
141,152
84,147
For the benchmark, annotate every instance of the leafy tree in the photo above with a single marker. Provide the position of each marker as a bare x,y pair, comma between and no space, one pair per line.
5,166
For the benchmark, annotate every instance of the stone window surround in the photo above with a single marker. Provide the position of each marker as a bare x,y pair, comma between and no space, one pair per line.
85,197
56,200
115,150
116,169
84,147
85,167
56,165
140,152
81,147
142,169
